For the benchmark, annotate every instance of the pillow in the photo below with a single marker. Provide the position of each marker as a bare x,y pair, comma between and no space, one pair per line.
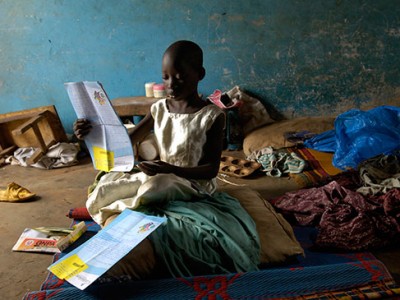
272,135
278,242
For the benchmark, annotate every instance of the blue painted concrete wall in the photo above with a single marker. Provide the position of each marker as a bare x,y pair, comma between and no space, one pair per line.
300,57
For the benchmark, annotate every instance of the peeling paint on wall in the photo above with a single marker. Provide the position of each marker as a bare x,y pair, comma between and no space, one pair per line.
300,61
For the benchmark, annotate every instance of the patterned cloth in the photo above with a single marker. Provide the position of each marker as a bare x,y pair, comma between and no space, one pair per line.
277,162
346,219
319,167
380,174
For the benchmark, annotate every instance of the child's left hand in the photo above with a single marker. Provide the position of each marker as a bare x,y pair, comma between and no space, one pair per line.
152,168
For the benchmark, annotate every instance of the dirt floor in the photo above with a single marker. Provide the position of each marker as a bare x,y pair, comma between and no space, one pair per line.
57,191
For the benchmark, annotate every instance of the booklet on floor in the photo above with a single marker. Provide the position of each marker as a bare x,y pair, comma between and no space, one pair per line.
108,141
48,239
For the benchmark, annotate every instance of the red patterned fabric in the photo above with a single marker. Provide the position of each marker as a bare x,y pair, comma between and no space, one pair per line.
345,219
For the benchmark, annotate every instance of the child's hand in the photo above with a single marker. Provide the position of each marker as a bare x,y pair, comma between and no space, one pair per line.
152,168
81,128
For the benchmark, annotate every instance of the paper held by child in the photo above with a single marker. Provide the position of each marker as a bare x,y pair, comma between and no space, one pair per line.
108,141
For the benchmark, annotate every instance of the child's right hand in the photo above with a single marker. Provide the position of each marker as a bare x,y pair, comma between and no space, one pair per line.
154,167
81,128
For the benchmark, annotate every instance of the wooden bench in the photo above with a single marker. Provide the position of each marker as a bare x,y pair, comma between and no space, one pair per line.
38,127
133,106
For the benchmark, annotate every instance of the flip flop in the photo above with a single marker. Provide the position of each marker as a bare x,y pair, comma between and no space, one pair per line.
15,193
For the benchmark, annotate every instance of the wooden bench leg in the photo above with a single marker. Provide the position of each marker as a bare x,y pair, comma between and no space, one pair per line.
33,123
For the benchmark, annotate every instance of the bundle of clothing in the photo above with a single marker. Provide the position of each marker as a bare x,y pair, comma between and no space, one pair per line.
355,210
275,163
58,156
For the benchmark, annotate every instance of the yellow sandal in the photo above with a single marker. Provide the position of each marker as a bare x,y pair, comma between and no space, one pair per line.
15,193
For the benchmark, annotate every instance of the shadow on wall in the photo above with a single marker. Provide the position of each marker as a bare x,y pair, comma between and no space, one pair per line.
273,112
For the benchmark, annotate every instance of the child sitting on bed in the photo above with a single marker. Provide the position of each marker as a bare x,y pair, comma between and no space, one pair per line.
181,185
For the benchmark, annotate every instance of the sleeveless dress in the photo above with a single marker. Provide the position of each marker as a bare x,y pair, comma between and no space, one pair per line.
180,139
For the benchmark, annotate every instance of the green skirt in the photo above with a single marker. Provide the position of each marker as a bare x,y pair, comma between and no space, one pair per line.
212,235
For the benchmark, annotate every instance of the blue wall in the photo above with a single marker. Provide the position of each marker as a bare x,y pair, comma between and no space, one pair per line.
300,57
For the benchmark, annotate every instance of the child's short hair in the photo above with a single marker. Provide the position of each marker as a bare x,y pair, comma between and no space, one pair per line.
187,51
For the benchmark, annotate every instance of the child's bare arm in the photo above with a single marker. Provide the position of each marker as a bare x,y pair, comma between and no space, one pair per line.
141,130
83,126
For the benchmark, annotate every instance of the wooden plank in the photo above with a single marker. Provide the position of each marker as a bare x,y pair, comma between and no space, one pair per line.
28,124
133,106
7,151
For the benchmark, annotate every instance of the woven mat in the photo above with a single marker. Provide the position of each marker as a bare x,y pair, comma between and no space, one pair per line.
319,166
319,275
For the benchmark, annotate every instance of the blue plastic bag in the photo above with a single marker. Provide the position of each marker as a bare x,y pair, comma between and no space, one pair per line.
361,135
324,142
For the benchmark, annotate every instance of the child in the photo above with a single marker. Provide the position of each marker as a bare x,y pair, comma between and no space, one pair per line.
181,185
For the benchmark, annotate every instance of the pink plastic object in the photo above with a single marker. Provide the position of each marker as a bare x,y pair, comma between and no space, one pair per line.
217,98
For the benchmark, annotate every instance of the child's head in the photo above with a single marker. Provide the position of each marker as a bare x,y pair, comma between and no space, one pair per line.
182,69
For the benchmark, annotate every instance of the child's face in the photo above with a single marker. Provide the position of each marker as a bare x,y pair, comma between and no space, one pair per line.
180,79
